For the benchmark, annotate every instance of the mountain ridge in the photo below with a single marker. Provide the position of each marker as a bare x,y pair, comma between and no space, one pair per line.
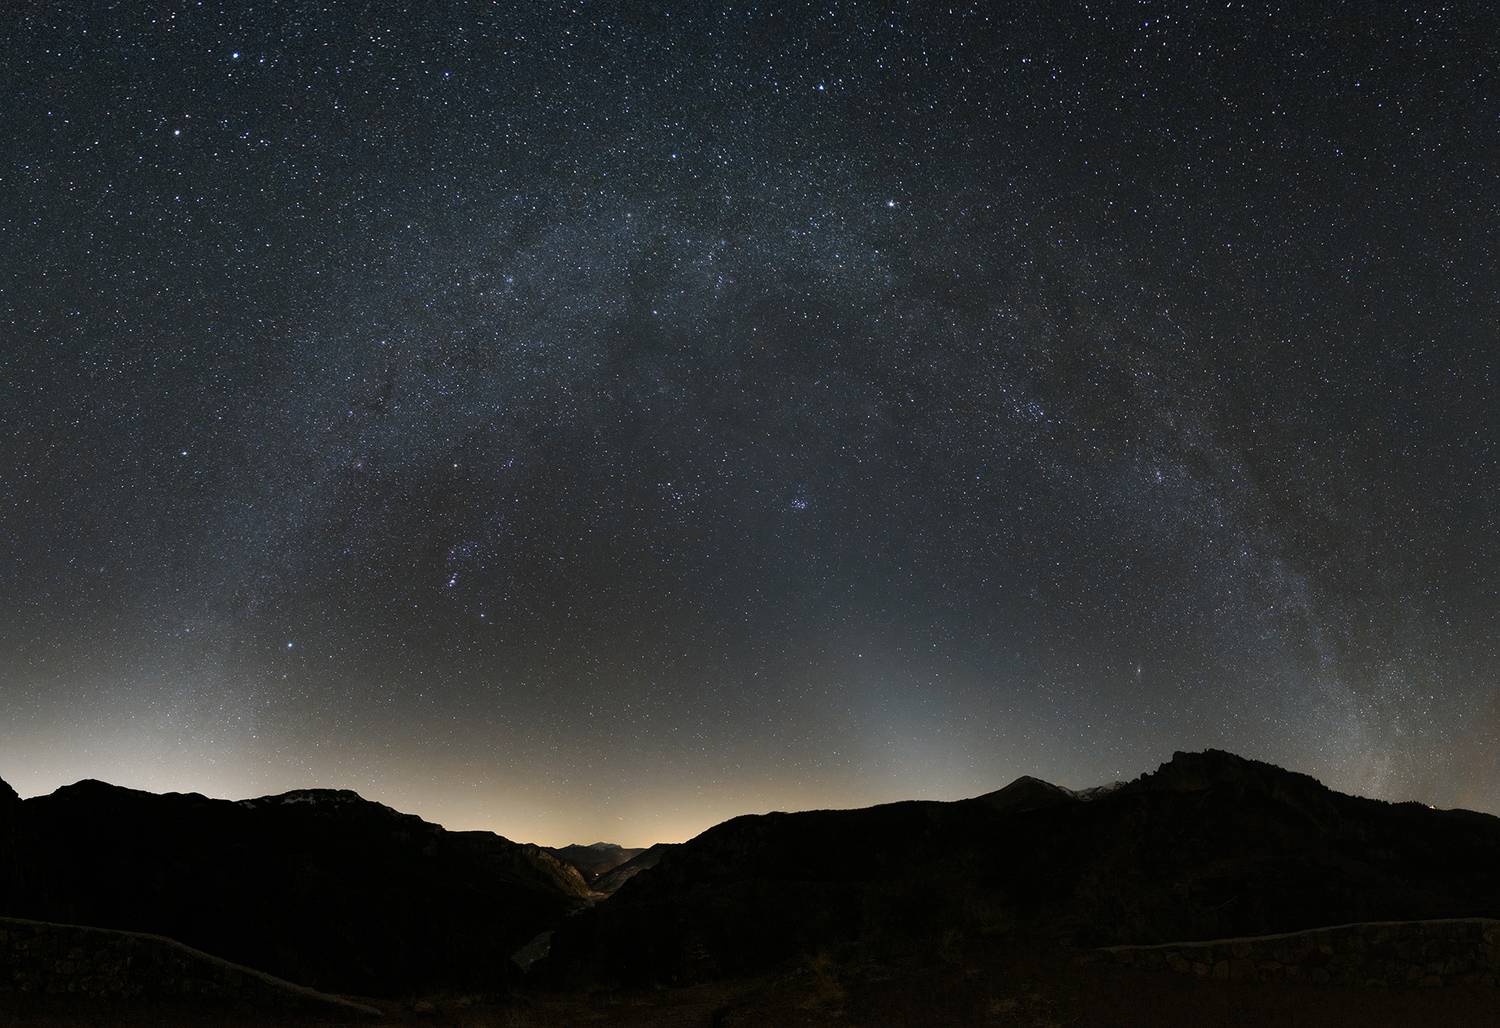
595,860
321,887
1208,845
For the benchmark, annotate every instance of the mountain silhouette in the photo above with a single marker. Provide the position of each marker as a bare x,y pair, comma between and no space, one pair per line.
326,889
1209,845
618,876
595,859
320,887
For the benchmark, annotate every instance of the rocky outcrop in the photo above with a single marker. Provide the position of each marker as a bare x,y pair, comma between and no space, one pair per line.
1463,951
52,960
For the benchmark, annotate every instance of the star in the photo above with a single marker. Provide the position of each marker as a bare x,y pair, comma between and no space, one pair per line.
1133,372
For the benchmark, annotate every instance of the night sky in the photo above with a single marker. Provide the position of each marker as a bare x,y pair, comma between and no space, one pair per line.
597,420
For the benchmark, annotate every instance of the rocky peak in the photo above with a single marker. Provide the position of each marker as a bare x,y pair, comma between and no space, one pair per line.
1193,772
311,797
85,786
1027,793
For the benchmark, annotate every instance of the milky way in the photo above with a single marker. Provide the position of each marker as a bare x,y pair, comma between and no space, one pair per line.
604,419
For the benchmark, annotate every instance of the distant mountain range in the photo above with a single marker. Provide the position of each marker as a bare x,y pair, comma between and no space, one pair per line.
594,860
644,860
326,889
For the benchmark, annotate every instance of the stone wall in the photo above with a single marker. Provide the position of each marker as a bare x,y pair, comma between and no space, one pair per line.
53,959
1385,953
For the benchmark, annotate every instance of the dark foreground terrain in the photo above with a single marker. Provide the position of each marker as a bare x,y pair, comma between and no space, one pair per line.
994,910
975,988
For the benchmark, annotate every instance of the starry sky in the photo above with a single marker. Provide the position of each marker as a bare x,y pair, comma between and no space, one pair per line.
596,420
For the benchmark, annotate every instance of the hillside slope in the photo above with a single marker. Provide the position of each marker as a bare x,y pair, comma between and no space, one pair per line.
319,887
1209,845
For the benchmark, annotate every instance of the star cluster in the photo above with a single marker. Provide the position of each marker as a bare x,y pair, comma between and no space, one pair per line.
601,419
